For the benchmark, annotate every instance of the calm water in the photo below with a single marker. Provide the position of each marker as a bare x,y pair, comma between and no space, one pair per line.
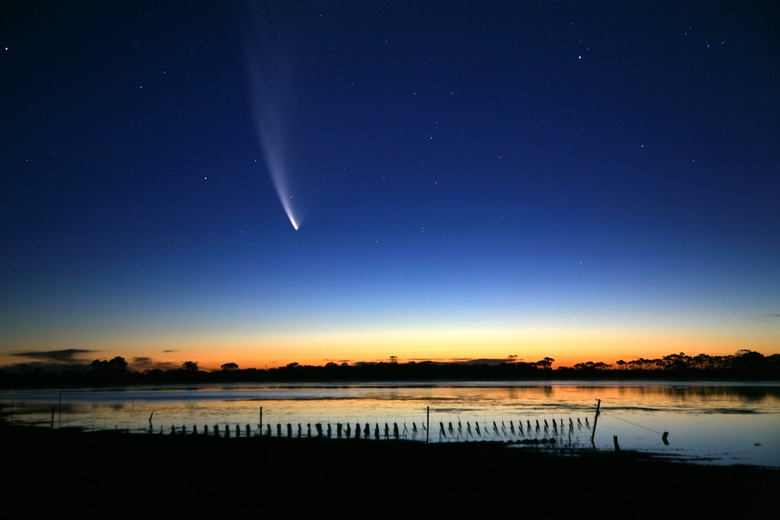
718,423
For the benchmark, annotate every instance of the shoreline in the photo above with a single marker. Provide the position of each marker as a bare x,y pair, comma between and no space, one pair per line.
55,471
11,382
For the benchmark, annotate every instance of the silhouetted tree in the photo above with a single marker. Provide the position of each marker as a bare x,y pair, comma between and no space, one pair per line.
703,362
227,367
676,361
116,364
747,360
191,366
545,364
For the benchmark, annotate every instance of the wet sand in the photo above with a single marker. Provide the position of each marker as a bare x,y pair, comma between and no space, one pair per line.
110,474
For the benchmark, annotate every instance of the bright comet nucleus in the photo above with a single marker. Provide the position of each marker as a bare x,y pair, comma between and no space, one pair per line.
291,217
273,156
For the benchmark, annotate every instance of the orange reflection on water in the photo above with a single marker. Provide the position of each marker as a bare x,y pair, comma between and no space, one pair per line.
737,421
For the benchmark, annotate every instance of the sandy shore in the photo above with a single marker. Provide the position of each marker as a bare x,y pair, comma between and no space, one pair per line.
120,475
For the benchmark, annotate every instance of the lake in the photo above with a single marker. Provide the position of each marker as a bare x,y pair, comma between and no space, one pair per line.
707,422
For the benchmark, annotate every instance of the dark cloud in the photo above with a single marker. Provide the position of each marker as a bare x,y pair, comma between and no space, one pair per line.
142,362
68,356
483,361
146,363
437,360
773,314
169,351
462,360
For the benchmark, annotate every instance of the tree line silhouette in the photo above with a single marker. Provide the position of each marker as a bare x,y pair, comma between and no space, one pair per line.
744,364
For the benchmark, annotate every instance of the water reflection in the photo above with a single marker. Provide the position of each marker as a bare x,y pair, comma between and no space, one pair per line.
722,422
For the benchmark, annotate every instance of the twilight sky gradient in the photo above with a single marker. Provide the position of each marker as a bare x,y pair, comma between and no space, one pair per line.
579,180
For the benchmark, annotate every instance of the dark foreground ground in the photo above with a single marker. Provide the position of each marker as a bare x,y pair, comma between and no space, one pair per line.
115,475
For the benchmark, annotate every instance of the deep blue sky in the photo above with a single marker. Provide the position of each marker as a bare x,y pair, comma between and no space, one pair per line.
472,179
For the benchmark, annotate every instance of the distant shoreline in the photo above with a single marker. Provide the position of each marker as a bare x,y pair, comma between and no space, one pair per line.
102,374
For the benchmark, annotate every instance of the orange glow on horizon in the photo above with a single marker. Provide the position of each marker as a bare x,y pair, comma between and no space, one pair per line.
567,346
566,349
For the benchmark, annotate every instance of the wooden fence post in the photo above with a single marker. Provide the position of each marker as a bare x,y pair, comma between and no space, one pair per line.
428,423
595,421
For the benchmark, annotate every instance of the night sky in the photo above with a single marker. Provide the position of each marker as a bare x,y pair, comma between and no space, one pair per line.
470,179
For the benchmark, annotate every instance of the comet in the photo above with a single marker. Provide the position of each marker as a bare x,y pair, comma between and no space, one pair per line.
273,158
268,67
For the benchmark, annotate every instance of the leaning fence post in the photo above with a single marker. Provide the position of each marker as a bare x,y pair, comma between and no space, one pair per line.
595,421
